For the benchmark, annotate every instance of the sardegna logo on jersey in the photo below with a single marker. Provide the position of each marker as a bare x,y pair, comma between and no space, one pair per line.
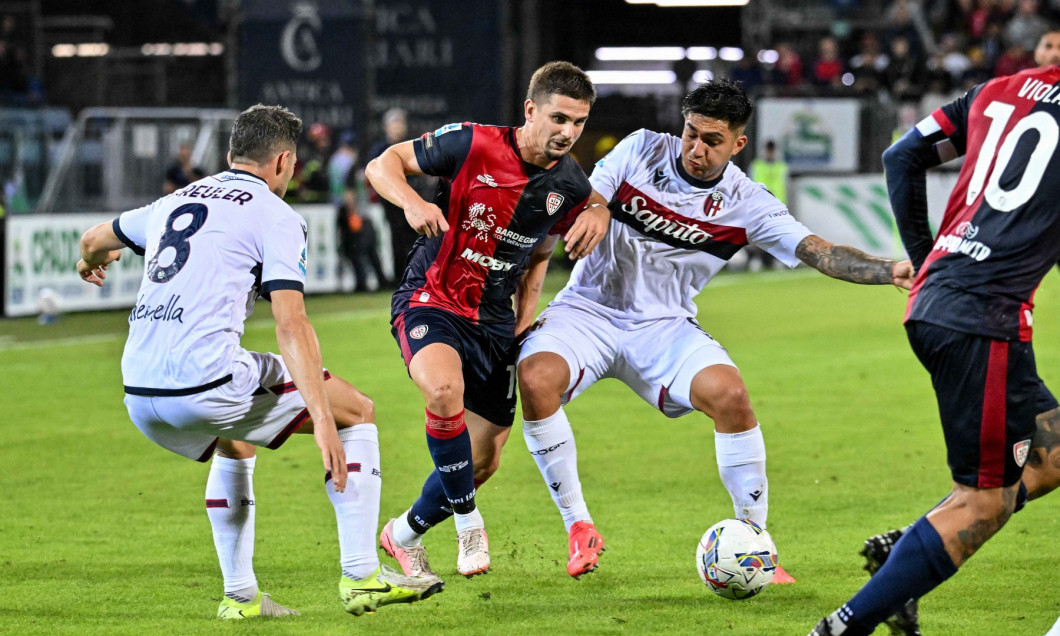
553,202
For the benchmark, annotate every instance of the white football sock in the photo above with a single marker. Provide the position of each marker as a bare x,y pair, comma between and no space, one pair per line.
230,507
357,508
551,442
742,466
472,519
403,533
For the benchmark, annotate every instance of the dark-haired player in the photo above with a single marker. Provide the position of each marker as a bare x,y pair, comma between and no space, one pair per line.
969,319
1041,474
506,195
680,210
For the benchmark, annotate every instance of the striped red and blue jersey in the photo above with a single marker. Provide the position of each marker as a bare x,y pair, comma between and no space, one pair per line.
498,208
1001,230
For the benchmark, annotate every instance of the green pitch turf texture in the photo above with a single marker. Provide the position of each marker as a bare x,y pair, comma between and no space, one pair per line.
101,532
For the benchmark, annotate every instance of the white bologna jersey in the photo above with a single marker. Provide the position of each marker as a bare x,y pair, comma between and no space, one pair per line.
210,249
670,233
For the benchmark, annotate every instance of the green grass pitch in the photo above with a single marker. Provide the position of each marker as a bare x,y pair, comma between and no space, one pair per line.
103,533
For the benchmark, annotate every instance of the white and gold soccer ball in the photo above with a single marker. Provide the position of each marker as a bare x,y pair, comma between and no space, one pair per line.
736,558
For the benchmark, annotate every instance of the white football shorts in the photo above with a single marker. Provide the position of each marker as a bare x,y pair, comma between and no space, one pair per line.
655,358
260,405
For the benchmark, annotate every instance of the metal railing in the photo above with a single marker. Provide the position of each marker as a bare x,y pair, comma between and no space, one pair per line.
116,158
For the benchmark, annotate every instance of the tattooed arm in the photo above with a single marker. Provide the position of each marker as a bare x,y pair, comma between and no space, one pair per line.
853,265
1042,472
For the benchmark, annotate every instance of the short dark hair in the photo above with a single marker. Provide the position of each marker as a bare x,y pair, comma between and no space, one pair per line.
720,99
261,132
561,78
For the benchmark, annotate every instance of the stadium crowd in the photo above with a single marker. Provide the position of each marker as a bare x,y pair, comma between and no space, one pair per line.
923,52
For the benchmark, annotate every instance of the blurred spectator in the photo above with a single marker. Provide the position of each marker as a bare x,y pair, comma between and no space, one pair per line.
906,18
182,171
979,72
1014,60
14,80
1026,26
358,240
310,181
788,69
18,87
981,14
992,43
828,68
950,59
748,72
402,236
1048,50
772,172
904,73
869,66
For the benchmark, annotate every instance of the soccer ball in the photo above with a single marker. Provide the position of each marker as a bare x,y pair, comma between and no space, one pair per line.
736,558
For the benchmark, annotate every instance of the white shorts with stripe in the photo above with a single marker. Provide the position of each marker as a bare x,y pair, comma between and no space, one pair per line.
655,358
259,405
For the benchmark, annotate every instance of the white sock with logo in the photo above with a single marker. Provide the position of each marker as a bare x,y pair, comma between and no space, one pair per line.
230,507
403,533
742,466
551,442
357,508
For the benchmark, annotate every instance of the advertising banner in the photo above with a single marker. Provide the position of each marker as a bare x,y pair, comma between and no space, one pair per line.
42,253
812,135
307,55
440,60
855,210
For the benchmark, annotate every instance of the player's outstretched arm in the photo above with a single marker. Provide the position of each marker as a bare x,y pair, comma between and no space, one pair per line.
853,265
100,246
528,292
387,174
301,353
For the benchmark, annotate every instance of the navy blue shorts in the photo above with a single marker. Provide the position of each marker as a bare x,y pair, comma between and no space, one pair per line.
988,394
1045,399
487,352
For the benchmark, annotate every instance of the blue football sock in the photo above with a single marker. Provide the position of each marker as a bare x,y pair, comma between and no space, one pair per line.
432,507
450,447
917,564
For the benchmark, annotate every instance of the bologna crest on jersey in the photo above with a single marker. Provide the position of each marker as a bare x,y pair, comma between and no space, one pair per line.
712,207
553,202
1020,451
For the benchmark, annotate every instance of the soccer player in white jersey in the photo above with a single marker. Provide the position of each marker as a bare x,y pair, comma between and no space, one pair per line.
679,210
211,249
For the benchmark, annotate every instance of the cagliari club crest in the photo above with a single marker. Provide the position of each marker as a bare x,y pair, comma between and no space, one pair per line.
553,202
1020,451
712,206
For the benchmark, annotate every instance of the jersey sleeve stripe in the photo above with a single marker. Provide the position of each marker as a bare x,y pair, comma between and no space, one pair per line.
275,285
947,126
116,226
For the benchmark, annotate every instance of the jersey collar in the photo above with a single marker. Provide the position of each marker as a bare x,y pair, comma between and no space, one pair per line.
529,168
699,183
249,174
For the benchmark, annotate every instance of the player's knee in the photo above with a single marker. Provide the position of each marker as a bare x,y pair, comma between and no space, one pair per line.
348,405
728,403
444,397
541,377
